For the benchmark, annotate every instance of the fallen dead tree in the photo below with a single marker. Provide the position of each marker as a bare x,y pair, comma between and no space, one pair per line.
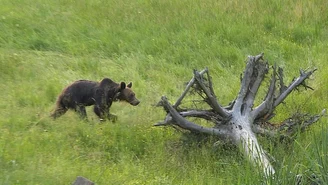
240,121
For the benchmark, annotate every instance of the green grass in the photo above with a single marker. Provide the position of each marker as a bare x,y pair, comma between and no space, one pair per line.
45,45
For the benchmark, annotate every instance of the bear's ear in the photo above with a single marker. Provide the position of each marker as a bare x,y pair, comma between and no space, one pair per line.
129,85
122,85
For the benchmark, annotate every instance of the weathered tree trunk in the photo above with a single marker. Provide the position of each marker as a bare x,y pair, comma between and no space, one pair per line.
244,136
240,121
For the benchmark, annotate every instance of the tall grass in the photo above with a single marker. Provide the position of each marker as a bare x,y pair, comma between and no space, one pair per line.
45,45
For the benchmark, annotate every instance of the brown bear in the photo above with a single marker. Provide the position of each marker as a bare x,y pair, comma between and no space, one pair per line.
101,94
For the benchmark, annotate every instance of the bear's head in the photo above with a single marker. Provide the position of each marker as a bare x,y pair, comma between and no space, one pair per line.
126,94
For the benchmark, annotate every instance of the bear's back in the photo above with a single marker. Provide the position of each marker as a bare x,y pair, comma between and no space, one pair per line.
81,91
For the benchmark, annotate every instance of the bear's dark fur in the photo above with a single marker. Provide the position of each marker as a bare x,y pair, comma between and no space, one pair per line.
101,94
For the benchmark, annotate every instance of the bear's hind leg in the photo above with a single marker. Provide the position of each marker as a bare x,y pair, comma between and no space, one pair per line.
81,110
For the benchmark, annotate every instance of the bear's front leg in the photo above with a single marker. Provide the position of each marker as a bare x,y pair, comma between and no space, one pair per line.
112,117
99,111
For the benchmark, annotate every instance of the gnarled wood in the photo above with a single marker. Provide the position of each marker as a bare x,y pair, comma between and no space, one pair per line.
239,121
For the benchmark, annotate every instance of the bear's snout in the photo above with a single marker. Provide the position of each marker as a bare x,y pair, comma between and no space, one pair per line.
135,102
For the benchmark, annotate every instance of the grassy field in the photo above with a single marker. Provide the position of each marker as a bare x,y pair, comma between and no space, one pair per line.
45,45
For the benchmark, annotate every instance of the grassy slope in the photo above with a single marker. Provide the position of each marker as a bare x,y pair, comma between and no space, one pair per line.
156,44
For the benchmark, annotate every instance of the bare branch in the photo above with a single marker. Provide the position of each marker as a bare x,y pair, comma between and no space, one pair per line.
298,81
212,100
259,56
167,121
250,83
299,122
185,124
266,106
246,79
261,69
205,114
262,131
190,84
209,115
209,78
230,106
289,127
283,87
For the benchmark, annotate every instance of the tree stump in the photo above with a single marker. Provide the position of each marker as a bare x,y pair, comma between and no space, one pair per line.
82,181
241,120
